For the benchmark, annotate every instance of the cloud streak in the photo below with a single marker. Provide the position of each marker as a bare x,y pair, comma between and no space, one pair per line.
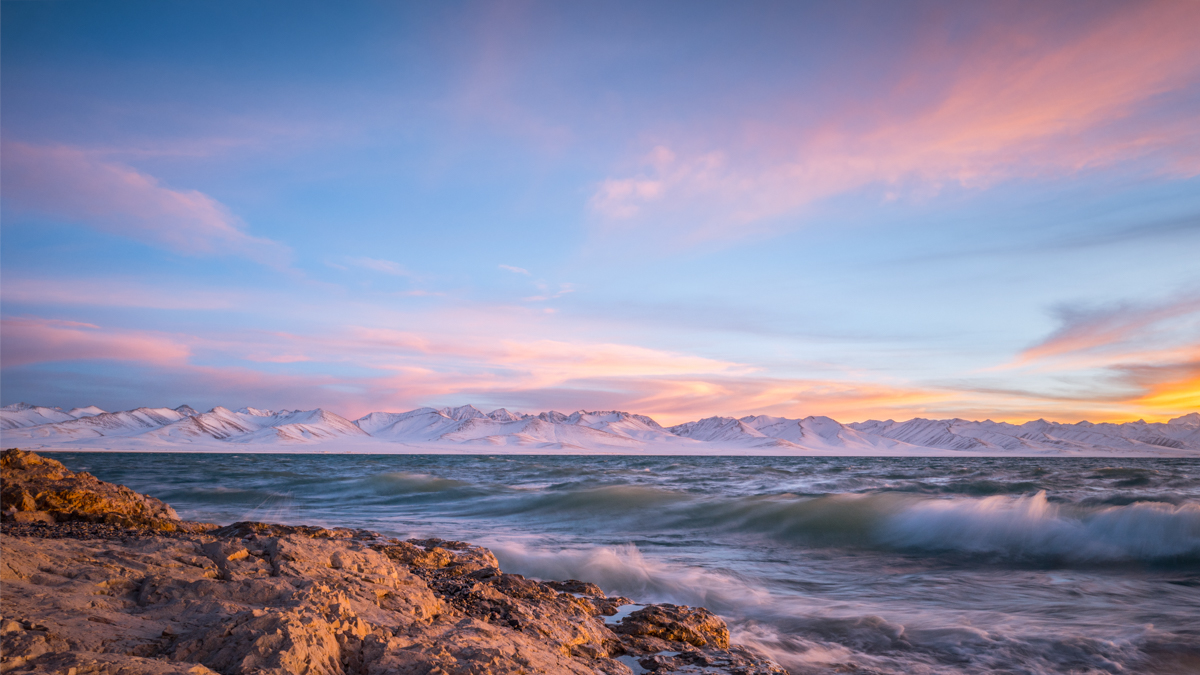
38,340
388,267
78,186
1029,99
1117,333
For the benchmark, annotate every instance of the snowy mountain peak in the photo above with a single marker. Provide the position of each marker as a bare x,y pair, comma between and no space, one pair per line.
1190,419
466,428
15,407
256,412
463,412
87,411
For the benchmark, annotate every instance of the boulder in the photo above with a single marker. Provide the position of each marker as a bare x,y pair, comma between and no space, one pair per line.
33,484
677,623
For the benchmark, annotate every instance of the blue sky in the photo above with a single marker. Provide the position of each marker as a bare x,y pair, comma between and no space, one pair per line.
679,209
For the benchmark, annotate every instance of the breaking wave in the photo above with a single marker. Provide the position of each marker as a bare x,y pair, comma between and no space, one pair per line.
405,483
807,637
1026,527
623,570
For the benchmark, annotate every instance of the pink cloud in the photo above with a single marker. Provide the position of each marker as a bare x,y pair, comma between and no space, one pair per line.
1147,333
73,184
1028,98
37,340
390,369
109,292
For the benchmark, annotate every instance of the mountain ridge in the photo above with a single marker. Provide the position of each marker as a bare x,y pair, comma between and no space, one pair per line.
463,428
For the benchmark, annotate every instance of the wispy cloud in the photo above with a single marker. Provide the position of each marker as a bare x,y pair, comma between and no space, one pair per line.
383,266
29,340
514,270
115,292
397,370
548,294
79,186
1027,99
1117,333
1121,361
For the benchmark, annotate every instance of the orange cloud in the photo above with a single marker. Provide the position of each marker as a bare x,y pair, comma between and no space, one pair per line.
1177,397
1027,99
1130,331
399,370
70,183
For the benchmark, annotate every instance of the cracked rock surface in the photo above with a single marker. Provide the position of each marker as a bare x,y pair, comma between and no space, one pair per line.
85,597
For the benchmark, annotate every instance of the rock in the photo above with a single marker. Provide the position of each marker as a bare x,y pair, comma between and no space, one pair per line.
34,484
415,556
93,596
677,623
577,587
30,517
244,529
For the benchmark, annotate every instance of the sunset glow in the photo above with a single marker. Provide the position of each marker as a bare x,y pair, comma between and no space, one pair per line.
853,210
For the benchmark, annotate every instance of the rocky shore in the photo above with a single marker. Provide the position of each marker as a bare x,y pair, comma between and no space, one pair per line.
100,579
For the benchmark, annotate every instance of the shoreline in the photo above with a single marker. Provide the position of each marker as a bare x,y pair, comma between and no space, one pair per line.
100,579
383,448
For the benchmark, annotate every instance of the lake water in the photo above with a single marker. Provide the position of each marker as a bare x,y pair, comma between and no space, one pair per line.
865,565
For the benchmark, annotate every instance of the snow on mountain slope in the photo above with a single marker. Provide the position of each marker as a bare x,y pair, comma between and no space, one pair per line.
503,415
1039,435
620,423
250,425
185,425
304,426
126,423
423,424
20,415
466,424
467,429
218,423
726,430
549,431
824,434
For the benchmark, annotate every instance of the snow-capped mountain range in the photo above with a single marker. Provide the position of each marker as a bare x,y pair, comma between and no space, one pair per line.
468,430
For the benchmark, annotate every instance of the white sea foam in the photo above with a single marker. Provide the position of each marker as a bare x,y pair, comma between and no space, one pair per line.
1032,526
625,571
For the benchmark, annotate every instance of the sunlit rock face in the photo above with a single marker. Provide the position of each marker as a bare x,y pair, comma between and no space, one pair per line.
39,489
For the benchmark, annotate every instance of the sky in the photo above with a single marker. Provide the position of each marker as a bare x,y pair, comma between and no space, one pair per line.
681,209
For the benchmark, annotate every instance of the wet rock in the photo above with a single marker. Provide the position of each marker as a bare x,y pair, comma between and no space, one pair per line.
246,528
415,556
677,623
576,587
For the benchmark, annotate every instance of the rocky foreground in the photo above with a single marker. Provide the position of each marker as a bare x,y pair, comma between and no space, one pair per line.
100,579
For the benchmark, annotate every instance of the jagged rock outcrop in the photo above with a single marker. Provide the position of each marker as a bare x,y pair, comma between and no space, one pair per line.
40,489
89,597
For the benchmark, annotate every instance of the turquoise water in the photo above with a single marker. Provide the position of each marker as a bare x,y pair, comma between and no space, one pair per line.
879,565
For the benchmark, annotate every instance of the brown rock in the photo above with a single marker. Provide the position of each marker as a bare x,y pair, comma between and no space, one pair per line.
577,587
33,483
677,623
